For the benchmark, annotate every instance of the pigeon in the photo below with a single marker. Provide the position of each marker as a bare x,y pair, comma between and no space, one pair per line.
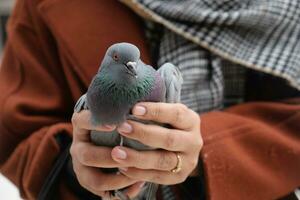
123,80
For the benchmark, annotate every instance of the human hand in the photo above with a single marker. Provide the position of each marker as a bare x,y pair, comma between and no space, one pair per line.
155,166
87,158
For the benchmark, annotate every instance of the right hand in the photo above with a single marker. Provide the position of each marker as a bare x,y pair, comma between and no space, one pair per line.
87,158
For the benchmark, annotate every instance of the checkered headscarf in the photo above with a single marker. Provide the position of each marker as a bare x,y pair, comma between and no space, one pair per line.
199,35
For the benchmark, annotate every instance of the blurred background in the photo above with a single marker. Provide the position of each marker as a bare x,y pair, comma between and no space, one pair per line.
7,189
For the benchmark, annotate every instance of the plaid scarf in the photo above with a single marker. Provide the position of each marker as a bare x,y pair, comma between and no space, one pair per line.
212,41
198,35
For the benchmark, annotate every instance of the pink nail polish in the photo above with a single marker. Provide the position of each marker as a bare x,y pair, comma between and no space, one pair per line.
121,154
125,128
139,110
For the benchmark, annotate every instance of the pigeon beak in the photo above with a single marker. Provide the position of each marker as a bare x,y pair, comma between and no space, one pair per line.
131,68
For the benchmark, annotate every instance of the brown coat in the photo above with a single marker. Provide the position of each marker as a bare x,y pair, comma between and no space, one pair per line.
251,151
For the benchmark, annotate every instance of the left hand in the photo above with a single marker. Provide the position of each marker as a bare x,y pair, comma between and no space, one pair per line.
183,139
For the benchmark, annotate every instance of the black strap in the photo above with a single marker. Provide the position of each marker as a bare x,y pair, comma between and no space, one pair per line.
49,187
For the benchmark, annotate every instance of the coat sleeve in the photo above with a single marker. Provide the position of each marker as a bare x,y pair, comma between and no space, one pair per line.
33,109
252,151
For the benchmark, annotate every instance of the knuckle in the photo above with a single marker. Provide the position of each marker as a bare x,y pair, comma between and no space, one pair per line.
195,117
75,150
180,112
196,143
76,168
170,140
165,161
193,163
155,111
199,143
142,133
182,108
75,119
137,159
72,150
85,156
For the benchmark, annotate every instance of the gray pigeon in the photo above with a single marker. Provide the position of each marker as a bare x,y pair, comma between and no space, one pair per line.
122,81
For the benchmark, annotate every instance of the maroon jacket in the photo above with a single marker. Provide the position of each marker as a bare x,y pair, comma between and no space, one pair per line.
251,151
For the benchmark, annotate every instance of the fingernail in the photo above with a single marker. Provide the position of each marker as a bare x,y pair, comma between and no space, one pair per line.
139,110
123,169
120,154
125,128
141,184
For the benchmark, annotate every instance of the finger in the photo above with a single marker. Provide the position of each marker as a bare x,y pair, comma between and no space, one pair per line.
83,120
95,180
156,159
80,135
154,176
105,195
156,136
94,156
135,189
177,115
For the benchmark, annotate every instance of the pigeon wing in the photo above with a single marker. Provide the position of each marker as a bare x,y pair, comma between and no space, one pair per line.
173,82
80,104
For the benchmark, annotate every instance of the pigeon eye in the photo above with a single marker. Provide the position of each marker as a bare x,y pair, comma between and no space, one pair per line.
115,57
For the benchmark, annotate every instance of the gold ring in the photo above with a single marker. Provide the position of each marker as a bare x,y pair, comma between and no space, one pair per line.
178,165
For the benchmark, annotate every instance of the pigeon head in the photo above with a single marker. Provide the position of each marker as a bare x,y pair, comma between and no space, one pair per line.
120,62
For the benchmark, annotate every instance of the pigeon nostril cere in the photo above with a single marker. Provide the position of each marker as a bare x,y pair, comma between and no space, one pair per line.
130,67
131,64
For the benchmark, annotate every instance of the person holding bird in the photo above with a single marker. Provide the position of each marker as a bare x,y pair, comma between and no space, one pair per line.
122,81
138,99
